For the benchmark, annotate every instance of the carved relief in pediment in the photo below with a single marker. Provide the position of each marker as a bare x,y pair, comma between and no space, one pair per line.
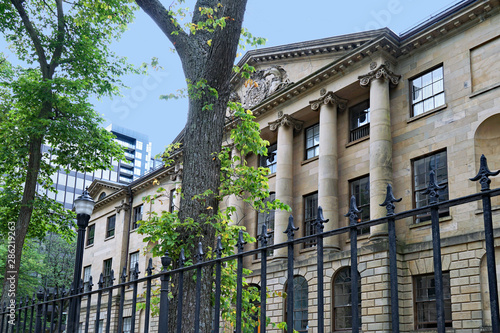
262,84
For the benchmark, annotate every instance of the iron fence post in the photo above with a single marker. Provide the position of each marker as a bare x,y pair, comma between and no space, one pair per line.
149,271
353,220
318,223
239,281
218,273
38,323
263,237
182,260
290,231
164,299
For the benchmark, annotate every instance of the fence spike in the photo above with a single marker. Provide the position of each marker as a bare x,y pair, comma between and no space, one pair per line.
20,302
101,281
27,300
150,268
219,248
166,261
484,174
123,276
182,258
63,291
264,236
40,294
135,273
81,286
90,284
353,212
389,201
290,230
111,278
241,242
199,253
433,188
320,221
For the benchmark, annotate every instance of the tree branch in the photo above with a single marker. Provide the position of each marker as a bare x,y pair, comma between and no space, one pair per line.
42,59
60,38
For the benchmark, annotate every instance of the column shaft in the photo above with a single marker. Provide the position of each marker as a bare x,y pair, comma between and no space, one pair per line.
234,201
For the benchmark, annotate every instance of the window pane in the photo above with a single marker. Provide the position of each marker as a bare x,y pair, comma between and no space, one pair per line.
418,109
439,100
427,91
428,104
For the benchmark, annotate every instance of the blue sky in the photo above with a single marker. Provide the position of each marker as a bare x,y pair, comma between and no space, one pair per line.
280,21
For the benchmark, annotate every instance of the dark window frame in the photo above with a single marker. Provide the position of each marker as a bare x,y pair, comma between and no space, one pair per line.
299,280
131,264
345,274
359,131
417,190
90,235
86,278
419,302
314,147
110,226
416,95
364,207
107,267
137,216
310,214
270,161
269,220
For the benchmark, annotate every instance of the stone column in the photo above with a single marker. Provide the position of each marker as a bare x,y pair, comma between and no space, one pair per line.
285,125
378,79
176,177
328,177
238,216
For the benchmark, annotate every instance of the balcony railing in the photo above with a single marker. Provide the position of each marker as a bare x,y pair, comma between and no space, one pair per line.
359,132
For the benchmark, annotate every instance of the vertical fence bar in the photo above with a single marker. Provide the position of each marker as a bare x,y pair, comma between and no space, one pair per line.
199,259
19,312
2,308
483,177
318,223
100,284
39,310
61,308
353,219
182,260
432,191
218,272
393,264
135,276
149,272
26,313
33,302
123,279
263,237
164,298
239,281
290,231
110,301
89,302
52,315
44,315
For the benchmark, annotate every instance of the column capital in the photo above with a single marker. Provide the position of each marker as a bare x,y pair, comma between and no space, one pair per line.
122,206
328,98
285,120
378,72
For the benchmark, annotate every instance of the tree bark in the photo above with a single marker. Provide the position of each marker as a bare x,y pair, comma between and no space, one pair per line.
203,132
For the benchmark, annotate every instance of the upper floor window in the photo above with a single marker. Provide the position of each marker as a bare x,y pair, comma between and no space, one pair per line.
310,212
424,287
427,91
90,234
102,195
107,266
300,306
86,277
312,141
110,227
342,300
270,160
268,220
421,170
360,188
134,259
127,324
359,117
136,217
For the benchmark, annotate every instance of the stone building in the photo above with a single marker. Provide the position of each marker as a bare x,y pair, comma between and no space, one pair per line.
345,116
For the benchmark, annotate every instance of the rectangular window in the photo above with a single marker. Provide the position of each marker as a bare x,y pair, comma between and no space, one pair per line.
269,161
90,234
110,227
425,301
106,271
86,277
312,141
137,217
421,170
268,220
359,118
134,259
310,212
127,324
427,91
360,188
171,208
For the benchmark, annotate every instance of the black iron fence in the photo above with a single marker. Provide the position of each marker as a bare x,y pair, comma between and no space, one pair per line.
47,310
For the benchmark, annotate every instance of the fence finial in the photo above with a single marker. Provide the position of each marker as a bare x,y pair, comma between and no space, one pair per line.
80,289
241,242
63,292
264,236
352,214
89,284
433,188
166,261
320,221
484,174
199,253
389,201
111,277
290,230
123,276
150,268
135,273
40,294
182,258
101,281
219,248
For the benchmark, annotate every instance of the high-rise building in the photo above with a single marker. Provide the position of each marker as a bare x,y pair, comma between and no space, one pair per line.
138,161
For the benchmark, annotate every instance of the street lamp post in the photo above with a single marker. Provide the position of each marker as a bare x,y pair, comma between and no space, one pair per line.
84,205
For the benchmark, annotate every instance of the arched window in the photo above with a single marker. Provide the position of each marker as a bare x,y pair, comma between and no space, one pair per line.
102,195
300,313
342,302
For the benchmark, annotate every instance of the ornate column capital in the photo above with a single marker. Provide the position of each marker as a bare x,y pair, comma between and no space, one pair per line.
328,98
122,206
382,71
285,120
